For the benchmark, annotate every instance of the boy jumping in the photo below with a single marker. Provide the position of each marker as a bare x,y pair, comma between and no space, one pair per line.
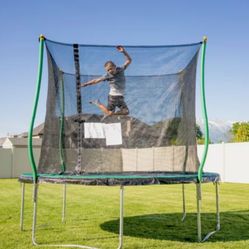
115,76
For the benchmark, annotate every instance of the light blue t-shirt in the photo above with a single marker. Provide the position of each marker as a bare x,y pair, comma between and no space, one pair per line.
116,82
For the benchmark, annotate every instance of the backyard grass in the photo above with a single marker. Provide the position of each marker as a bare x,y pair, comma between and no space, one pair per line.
152,216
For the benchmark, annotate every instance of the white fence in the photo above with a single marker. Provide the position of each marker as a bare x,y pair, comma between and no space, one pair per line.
230,160
6,164
14,162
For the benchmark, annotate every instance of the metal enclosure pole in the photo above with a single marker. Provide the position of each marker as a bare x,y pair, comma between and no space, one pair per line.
204,109
37,94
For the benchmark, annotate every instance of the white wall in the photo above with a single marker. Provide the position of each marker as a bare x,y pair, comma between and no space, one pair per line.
21,161
215,158
14,162
230,160
5,163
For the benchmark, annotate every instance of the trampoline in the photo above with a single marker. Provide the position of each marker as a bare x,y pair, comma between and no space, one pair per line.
152,142
124,179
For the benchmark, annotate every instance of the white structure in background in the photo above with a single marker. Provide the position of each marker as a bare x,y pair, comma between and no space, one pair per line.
14,156
230,160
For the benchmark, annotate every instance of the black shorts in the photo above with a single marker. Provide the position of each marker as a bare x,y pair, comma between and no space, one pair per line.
117,101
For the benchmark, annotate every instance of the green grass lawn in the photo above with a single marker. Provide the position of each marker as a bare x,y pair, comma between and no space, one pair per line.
152,216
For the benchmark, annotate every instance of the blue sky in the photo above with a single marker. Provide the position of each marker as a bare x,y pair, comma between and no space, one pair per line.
129,22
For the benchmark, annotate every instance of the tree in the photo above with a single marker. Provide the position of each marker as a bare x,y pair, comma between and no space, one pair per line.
240,131
199,135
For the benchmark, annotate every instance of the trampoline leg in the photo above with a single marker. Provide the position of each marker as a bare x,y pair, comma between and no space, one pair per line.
198,198
217,206
22,206
183,203
35,198
121,218
64,203
217,214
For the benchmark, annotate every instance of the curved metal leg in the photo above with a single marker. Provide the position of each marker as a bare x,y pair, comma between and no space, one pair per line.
217,214
121,218
35,200
22,206
183,203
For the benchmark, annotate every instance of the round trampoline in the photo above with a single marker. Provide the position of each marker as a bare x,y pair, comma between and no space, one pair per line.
124,179
120,115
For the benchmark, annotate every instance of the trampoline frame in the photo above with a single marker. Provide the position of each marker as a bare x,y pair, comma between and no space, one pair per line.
198,180
121,216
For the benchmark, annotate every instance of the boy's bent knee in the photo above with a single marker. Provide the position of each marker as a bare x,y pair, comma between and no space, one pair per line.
122,112
125,112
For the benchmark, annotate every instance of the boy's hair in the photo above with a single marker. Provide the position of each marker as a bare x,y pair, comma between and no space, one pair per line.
109,63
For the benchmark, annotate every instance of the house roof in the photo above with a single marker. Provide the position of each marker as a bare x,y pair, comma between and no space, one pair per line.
20,142
2,140
37,131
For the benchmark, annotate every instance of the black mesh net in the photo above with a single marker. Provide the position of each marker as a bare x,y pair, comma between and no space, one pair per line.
158,133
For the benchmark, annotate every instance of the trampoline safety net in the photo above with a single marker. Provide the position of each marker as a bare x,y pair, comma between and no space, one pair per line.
158,88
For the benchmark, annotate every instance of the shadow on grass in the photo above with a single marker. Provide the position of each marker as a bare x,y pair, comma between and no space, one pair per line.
234,226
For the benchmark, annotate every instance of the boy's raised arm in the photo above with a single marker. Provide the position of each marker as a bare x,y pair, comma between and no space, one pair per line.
92,82
128,61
